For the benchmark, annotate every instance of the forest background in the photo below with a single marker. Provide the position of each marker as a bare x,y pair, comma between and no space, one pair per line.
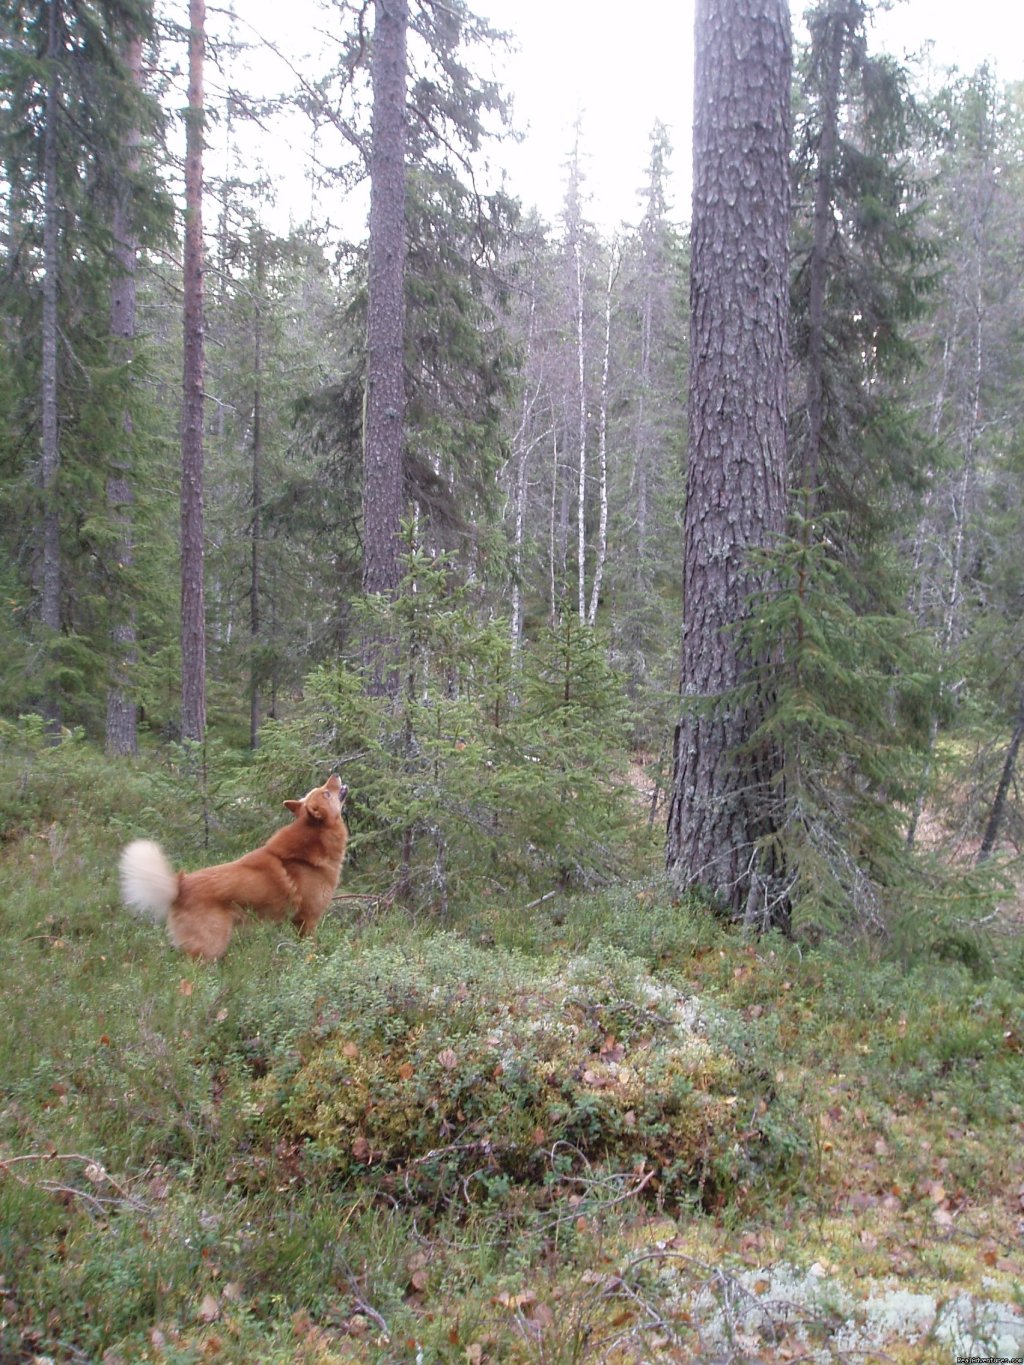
543,460
526,1098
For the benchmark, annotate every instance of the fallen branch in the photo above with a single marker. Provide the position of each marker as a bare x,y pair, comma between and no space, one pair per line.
541,899
95,1172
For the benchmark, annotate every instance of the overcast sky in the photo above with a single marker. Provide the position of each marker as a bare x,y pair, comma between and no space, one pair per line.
622,66
625,65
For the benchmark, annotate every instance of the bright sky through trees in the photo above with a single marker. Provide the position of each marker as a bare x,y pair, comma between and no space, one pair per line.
619,68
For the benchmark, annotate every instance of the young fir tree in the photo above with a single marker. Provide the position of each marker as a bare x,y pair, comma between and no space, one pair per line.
649,425
461,790
282,547
863,272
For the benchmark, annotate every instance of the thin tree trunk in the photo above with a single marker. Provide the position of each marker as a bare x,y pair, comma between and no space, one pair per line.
50,575
581,435
384,438
256,525
193,609
384,429
818,264
553,599
521,446
998,811
960,500
601,549
122,712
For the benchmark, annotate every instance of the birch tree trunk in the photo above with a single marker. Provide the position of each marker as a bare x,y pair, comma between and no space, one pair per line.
581,434
601,549
193,609
725,802
522,446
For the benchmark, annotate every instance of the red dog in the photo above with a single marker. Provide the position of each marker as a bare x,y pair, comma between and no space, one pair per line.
292,876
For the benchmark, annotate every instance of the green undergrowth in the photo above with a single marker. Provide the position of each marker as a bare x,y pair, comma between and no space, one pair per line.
598,1128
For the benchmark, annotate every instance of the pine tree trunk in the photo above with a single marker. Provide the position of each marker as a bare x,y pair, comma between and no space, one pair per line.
50,568
193,611
724,804
384,438
384,418
122,715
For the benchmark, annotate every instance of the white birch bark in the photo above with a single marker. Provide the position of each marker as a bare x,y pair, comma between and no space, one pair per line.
601,549
581,488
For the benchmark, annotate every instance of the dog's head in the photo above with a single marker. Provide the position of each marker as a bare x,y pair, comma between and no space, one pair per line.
322,803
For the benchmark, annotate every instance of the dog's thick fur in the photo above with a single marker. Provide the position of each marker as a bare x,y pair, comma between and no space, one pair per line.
293,876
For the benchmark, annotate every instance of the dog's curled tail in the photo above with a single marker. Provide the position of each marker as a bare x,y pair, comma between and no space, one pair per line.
149,885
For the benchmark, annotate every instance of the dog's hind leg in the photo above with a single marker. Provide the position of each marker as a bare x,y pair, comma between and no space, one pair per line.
307,919
201,933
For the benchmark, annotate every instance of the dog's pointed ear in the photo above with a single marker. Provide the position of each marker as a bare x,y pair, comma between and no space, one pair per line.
293,806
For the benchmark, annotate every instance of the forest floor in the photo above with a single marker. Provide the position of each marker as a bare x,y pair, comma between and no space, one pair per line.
607,1130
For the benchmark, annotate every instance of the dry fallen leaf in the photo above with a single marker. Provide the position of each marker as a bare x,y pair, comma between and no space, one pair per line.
361,1149
209,1309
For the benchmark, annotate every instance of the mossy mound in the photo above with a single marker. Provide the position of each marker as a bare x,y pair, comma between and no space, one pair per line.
440,1070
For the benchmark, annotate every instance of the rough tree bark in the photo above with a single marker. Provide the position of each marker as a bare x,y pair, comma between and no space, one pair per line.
384,418
193,609
724,804
384,435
